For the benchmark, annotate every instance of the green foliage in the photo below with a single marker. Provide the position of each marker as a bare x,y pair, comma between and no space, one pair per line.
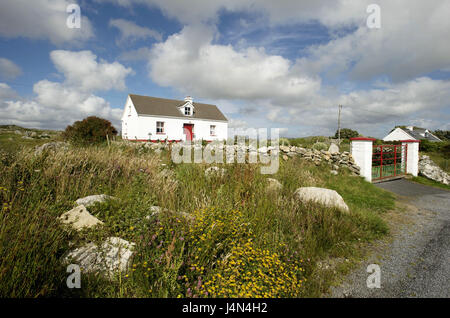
320,146
442,134
227,219
90,130
346,133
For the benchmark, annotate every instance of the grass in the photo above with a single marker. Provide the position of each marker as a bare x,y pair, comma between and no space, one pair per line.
429,182
440,160
241,240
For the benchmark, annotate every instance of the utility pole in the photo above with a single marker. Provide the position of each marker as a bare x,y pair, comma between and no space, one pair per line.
339,125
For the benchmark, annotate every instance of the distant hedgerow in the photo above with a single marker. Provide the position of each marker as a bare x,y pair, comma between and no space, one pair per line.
90,130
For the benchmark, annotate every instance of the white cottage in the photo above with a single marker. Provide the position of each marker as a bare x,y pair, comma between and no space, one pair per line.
155,119
411,133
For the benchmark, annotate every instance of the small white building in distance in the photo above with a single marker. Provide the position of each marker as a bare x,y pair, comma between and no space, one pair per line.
158,119
411,133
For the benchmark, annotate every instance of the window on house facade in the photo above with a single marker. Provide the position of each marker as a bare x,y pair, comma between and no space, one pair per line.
160,127
187,111
212,130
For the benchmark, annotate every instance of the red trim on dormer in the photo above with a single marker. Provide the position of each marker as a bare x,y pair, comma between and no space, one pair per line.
410,140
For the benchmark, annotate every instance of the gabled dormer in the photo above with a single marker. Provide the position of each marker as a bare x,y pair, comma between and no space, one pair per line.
187,109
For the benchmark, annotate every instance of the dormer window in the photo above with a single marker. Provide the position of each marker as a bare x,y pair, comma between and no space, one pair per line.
187,111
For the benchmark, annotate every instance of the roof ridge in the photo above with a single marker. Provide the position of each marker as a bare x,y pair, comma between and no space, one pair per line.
170,99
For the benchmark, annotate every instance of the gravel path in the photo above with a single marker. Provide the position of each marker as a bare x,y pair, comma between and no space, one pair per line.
416,263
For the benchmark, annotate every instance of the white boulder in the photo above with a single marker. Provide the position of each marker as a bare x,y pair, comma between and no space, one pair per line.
326,197
432,171
333,149
79,218
92,199
111,256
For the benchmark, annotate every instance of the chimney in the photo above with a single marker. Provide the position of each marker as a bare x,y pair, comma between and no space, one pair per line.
410,128
188,99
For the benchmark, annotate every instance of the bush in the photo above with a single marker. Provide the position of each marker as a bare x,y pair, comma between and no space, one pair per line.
346,133
446,151
91,130
442,134
428,146
320,146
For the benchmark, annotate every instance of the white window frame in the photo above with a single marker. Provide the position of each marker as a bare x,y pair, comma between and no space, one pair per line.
161,126
212,130
187,110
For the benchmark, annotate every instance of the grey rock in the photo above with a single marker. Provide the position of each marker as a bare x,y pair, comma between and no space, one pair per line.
112,256
79,218
333,149
432,171
92,199
326,197
51,146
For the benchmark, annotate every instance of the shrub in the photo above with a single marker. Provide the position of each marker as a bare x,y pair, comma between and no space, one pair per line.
346,133
428,146
90,130
445,149
320,146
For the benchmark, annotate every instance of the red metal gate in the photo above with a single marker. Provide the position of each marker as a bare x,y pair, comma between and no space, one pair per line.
388,161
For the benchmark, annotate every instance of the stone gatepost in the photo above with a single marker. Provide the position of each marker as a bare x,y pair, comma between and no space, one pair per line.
361,149
412,156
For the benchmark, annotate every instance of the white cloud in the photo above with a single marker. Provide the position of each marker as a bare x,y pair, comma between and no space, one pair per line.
285,11
58,104
373,111
132,32
8,69
191,63
82,71
141,54
400,49
41,19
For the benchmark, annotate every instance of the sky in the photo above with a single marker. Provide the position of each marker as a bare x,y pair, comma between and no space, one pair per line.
284,64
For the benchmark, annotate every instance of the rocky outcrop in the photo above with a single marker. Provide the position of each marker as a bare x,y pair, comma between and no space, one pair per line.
325,197
432,171
79,218
92,199
112,256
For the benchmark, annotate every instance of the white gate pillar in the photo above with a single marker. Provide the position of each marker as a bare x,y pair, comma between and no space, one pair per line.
361,149
412,156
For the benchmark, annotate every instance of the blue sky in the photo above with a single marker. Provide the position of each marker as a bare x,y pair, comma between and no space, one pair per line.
287,64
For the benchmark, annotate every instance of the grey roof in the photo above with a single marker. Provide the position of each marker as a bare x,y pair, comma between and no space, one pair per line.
416,134
154,106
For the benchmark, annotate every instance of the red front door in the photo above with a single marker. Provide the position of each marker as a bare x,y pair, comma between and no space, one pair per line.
188,131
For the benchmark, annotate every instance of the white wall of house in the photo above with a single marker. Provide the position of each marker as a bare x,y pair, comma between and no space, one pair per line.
397,134
135,127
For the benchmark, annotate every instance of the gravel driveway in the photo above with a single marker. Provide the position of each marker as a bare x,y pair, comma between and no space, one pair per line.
416,263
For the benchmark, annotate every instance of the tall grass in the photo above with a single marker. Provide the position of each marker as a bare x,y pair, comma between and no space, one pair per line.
170,259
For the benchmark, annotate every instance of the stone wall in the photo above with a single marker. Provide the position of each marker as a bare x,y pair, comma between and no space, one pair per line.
432,171
336,159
